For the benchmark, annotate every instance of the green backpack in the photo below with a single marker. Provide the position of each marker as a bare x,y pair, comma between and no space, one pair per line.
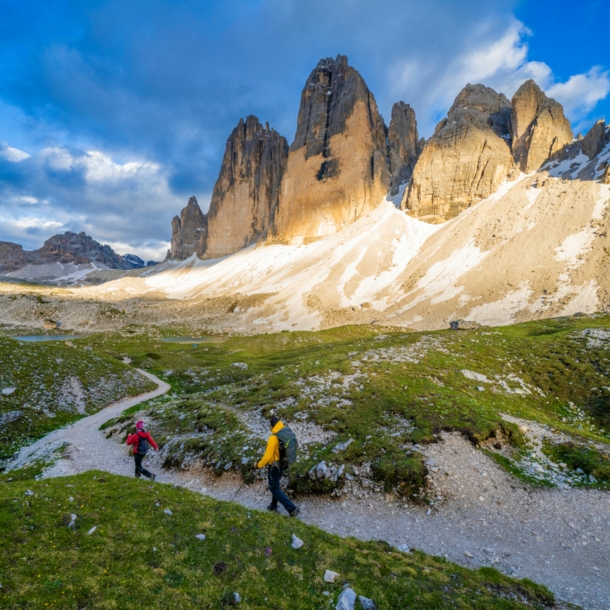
288,446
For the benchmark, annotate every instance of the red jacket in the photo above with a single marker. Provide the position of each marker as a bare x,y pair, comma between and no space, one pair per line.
134,439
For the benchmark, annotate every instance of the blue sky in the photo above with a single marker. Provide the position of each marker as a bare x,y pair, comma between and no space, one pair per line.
114,112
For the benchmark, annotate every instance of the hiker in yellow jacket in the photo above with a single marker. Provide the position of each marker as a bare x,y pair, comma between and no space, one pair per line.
271,459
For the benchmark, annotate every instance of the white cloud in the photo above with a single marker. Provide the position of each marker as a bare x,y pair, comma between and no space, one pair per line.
125,204
12,154
147,252
580,94
499,60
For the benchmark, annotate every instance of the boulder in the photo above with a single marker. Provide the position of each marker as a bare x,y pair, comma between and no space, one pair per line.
466,159
463,325
404,146
337,169
189,231
539,127
247,191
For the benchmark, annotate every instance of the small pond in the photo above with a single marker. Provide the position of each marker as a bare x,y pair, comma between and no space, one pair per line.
36,338
196,340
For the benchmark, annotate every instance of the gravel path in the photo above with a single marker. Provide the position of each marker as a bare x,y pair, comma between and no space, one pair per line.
481,516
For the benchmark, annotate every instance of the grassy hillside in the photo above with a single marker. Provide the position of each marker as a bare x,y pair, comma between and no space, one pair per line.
44,386
389,391
138,555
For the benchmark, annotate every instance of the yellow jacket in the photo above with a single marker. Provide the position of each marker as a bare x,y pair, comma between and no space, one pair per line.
272,453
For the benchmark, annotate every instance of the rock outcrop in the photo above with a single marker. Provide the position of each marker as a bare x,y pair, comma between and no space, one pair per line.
247,191
337,165
596,139
466,159
404,145
189,232
66,248
539,128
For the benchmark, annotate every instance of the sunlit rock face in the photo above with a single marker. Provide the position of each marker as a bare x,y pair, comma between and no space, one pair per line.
539,127
247,191
466,159
337,165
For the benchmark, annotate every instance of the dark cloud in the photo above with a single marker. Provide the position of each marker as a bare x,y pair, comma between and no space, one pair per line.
164,82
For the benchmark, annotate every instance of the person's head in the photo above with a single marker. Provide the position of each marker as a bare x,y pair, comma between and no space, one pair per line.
274,420
140,425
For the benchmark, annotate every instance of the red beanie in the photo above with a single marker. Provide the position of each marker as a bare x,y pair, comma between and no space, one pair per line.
139,425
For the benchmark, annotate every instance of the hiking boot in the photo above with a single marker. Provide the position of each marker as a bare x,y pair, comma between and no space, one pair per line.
153,477
272,509
295,512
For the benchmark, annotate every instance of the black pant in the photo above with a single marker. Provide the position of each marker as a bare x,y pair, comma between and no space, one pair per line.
274,475
139,470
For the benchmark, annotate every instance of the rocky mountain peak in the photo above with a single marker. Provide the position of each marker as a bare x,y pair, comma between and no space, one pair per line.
484,107
596,139
466,159
539,127
404,145
189,231
247,190
337,166
66,248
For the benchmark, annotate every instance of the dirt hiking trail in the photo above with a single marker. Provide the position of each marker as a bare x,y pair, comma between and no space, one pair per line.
481,516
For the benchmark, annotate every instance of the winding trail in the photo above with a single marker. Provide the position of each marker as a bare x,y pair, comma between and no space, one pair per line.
560,538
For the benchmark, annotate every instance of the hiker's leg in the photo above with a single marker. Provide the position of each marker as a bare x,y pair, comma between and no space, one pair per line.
273,504
275,475
138,460
146,473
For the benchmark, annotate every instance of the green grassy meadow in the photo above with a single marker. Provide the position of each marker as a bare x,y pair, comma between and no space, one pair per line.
139,555
389,391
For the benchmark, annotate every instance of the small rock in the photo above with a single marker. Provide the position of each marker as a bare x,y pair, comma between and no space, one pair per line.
429,511
167,511
92,530
228,466
88,348
523,428
72,524
469,555
297,543
70,499
200,536
10,416
240,365
480,388
236,597
329,576
29,493
562,465
8,391
343,446
404,548
367,603
346,600
155,549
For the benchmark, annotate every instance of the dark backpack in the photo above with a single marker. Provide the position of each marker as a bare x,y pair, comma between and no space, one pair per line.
288,446
142,444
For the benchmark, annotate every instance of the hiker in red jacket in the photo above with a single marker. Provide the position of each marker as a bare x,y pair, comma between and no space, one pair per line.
140,441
